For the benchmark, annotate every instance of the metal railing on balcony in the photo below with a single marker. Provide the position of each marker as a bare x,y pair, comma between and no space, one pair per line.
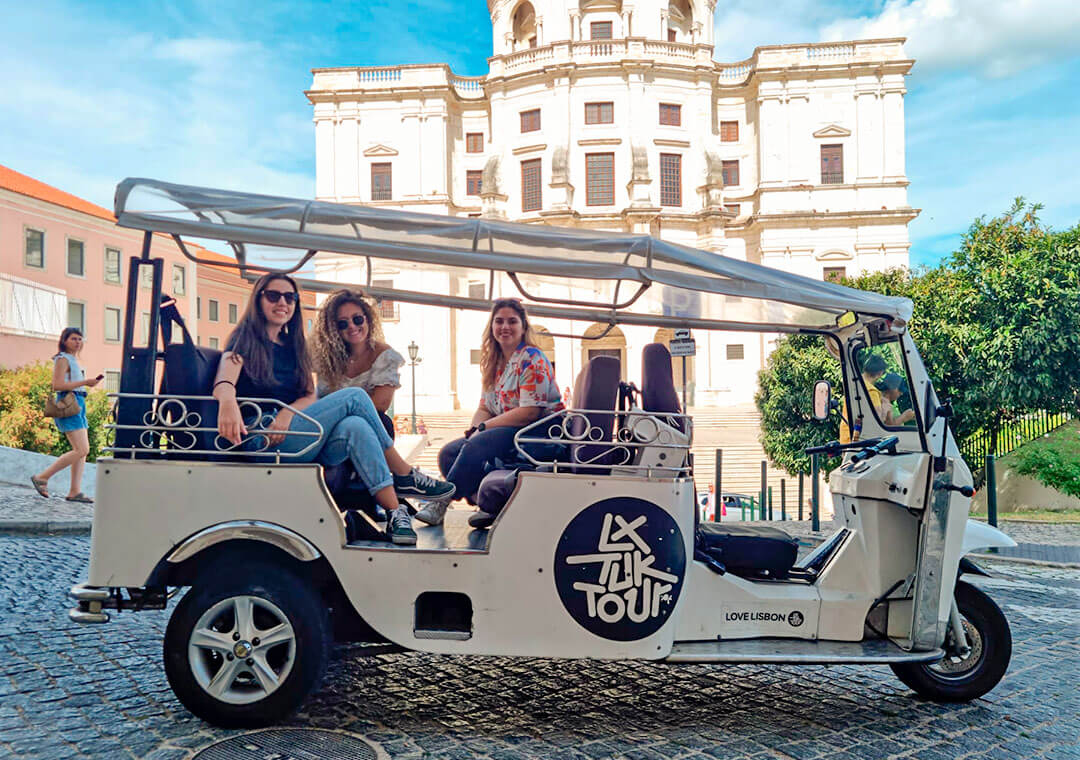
832,178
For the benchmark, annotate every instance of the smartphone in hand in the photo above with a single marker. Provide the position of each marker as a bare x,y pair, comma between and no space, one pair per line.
100,378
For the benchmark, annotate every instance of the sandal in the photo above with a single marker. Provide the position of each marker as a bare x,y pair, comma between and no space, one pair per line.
41,486
80,497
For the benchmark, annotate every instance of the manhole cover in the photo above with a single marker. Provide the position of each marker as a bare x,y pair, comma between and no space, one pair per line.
290,744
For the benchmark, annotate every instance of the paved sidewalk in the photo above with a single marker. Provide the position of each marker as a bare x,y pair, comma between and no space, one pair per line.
23,511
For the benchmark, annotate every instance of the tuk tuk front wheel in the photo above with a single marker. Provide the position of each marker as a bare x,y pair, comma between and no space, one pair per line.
244,651
961,678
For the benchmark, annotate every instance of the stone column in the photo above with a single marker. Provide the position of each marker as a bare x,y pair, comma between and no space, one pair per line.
346,152
893,113
868,135
772,140
800,137
324,151
575,24
435,174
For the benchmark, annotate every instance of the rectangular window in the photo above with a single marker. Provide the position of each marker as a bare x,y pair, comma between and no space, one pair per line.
532,41
735,352
112,381
672,35
832,164
729,131
600,179
474,142
233,314
76,316
212,314
198,307
599,113
474,181
474,356
387,309
671,114
112,265
833,274
179,280
215,343
76,258
34,255
530,120
600,30
670,179
733,208
146,276
729,170
380,182
112,324
530,185
145,323
477,290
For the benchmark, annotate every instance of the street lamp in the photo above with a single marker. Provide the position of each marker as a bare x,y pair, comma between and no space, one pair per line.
414,352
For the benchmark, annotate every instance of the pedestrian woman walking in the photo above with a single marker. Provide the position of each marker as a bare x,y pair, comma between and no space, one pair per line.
68,375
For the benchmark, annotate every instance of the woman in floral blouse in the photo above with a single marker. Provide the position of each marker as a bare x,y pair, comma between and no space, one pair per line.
519,388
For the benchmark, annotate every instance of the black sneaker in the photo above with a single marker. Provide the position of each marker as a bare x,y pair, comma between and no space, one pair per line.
481,520
418,483
399,528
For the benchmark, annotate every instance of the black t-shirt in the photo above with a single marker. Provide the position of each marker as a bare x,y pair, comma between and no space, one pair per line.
287,386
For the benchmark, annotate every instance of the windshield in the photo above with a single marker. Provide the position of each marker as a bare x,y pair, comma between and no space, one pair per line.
883,378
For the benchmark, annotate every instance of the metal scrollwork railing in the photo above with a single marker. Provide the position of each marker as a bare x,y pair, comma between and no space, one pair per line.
575,438
173,425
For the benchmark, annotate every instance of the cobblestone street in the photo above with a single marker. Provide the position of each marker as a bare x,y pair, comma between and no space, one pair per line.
75,691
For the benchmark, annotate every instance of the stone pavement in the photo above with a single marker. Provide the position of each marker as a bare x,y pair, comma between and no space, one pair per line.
70,691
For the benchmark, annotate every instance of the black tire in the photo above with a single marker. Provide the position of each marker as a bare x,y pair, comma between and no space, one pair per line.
989,659
274,592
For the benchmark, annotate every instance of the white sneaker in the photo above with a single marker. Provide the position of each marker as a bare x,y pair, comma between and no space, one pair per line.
433,512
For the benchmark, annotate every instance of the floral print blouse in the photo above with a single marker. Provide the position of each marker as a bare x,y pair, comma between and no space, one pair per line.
526,380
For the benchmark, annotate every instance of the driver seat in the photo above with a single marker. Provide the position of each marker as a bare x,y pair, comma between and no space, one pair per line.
749,551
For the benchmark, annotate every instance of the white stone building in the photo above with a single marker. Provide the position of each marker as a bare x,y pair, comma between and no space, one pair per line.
614,115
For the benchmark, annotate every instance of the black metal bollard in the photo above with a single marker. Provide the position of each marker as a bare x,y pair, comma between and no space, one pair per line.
991,490
802,496
718,494
815,513
764,477
770,503
783,499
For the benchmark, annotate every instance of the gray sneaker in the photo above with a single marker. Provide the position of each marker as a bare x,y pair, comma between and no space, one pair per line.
433,512
418,483
399,528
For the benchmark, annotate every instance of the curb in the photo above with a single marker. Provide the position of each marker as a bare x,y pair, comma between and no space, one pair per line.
68,527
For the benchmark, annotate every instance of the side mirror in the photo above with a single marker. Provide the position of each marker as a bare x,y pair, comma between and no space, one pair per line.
822,399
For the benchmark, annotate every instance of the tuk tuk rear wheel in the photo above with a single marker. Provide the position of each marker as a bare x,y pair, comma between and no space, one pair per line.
246,644
961,679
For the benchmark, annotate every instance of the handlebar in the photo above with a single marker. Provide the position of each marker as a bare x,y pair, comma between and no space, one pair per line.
967,491
832,448
885,444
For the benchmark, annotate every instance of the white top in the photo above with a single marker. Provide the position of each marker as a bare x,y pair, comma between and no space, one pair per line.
383,371
74,371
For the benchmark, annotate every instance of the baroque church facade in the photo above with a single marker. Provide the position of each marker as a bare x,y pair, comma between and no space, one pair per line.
613,115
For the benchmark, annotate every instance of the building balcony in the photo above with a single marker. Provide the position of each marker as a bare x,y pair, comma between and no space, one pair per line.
368,79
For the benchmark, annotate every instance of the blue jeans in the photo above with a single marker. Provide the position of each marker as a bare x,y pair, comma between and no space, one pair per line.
351,430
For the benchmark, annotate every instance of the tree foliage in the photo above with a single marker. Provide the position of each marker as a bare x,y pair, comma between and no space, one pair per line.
997,324
23,424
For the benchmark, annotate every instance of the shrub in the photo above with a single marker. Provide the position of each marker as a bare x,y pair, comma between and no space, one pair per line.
1053,461
23,424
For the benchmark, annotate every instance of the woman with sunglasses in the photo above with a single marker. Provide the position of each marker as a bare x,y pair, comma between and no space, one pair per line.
349,351
518,388
267,357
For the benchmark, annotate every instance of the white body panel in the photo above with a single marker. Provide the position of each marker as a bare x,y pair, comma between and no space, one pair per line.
979,535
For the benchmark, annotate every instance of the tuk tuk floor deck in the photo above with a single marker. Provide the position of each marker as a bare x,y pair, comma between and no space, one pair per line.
454,535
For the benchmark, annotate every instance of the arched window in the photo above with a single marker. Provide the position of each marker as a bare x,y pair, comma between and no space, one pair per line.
613,343
680,20
524,20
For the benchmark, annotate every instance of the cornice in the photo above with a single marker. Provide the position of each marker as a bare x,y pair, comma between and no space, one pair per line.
600,141
529,149
667,143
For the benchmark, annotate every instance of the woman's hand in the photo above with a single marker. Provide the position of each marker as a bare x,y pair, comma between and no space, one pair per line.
281,423
92,382
231,425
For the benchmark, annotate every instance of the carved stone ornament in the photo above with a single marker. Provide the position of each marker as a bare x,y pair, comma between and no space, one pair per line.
714,180
641,163
489,184
560,165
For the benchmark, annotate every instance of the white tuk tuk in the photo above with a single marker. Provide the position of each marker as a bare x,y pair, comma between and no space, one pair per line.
597,550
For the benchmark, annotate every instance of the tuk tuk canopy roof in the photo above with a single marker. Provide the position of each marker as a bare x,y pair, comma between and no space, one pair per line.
535,252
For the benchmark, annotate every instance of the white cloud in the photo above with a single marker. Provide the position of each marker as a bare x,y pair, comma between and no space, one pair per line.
994,37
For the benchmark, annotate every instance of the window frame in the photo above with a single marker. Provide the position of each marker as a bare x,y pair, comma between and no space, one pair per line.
827,270
666,189
669,109
725,167
183,278
528,165
119,265
526,117
26,230
119,324
597,186
725,126
214,342
469,137
832,178
213,310
727,352
68,240
594,25
380,169
82,305
233,313
389,310
733,208
111,387
598,112
146,277
470,176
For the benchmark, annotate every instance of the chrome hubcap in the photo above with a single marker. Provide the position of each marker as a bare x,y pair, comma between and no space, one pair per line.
242,649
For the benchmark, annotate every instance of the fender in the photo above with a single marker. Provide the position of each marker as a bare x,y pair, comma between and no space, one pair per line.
979,535
254,530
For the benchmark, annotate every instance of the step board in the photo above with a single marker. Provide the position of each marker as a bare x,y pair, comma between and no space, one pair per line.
798,652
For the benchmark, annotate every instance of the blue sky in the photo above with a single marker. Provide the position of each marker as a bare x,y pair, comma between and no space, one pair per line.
211,92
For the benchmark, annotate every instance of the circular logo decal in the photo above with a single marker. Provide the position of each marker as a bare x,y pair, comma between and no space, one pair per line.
795,618
619,568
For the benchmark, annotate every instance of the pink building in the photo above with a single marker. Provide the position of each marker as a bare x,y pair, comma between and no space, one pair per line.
64,262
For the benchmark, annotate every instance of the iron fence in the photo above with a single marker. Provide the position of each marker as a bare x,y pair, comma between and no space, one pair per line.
1011,436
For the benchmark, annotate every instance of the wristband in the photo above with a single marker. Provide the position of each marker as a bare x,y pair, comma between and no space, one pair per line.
481,427
223,382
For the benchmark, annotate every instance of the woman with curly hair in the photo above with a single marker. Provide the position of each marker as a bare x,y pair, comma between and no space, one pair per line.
349,351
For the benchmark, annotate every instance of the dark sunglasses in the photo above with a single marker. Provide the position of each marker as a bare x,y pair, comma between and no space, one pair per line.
273,296
357,319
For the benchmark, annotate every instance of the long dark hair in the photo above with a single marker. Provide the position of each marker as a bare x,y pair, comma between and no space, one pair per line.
490,352
249,340
67,333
